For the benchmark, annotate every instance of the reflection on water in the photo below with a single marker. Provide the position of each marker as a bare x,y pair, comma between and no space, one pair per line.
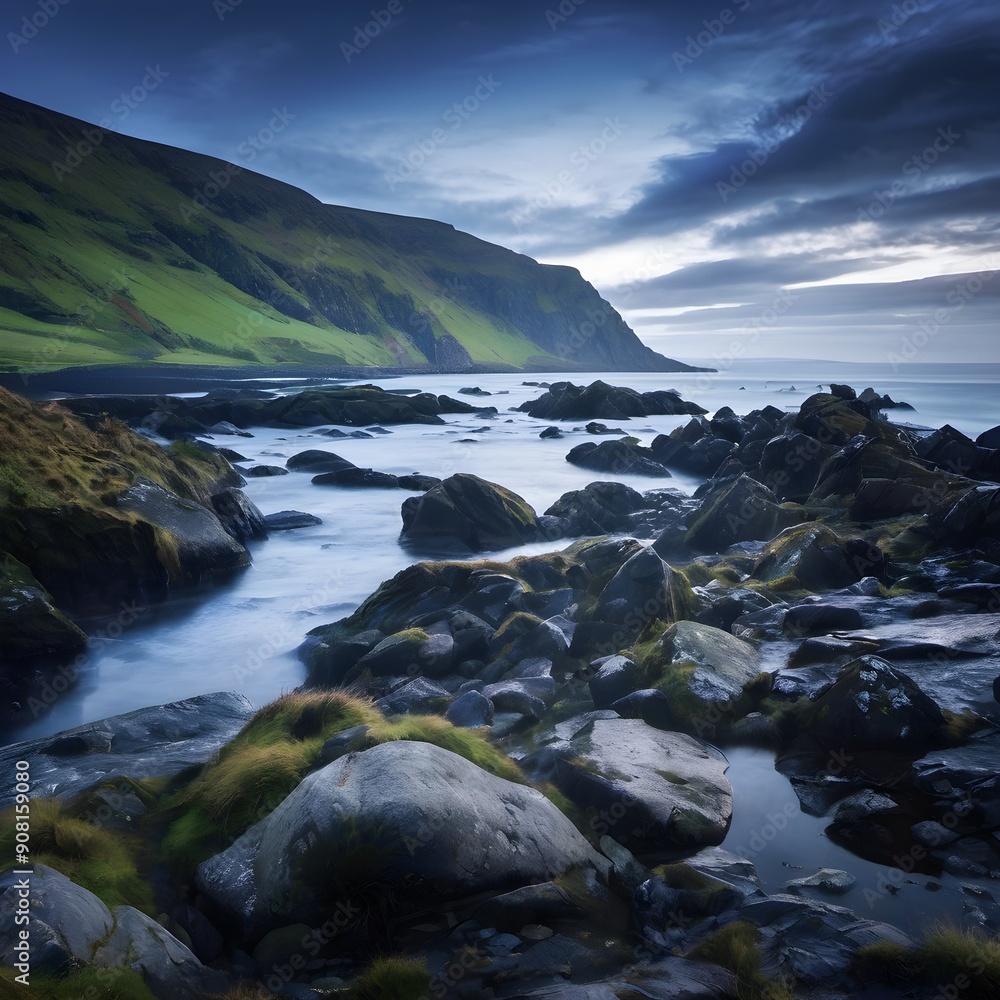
770,829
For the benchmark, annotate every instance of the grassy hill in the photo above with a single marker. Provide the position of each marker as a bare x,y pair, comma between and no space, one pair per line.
116,251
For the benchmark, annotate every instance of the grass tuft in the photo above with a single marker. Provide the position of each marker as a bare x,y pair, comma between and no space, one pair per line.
736,947
392,978
100,860
967,960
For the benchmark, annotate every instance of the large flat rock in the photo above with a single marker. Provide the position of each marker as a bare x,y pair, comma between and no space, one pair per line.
650,789
146,743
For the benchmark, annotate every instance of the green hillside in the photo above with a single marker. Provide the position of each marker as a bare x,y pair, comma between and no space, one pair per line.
115,251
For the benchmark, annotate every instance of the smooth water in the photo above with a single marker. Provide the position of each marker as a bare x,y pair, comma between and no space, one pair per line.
242,634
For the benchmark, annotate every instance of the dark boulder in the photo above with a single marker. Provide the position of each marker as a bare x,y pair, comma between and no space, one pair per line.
598,509
989,439
284,520
30,624
811,557
872,704
470,710
619,457
466,512
357,477
645,589
739,511
615,678
566,401
316,461
265,471
417,482
202,548
820,619
671,790
239,515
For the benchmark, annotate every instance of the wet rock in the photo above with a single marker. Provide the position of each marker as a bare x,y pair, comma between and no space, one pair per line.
30,624
418,697
644,589
540,903
316,461
518,697
615,678
470,710
627,874
618,457
815,941
285,520
872,704
409,653
989,439
597,428
598,509
265,471
71,927
357,477
203,547
456,830
881,499
146,743
830,650
930,833
703,668
811,557
953,452
239,515
820,619
791,464
469,513
566,401
740,511
418,483
830,880
651,706
864,805
661,790
551,432
694,448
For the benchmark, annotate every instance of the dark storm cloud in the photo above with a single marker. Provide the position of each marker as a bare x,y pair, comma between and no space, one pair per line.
780,142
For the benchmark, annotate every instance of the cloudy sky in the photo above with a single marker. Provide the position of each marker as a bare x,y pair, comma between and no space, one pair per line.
771,178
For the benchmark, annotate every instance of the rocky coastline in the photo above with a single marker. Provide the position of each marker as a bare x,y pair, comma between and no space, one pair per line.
508,778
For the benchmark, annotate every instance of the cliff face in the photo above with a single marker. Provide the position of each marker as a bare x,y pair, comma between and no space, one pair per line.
116,250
